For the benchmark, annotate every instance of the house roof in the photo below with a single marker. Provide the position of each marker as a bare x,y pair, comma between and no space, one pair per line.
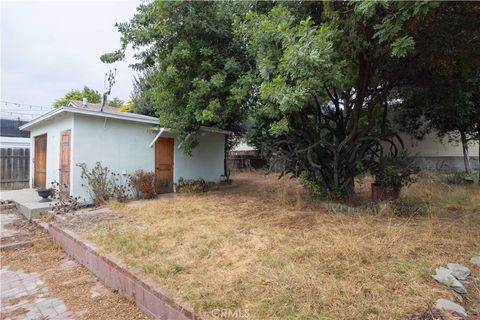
10,128
93,109
109,110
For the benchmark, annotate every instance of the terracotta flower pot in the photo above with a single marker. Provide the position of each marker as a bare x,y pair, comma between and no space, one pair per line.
379,193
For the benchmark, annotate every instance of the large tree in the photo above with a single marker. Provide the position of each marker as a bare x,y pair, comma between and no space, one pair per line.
315,78
193,68
326,71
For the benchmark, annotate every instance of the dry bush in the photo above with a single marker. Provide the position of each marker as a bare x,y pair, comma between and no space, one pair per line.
143,182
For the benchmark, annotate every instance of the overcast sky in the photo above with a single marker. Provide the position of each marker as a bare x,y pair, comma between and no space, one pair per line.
51,47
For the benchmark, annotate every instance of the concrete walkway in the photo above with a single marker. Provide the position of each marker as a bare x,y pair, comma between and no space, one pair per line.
27,202
22,293
41,282
23,297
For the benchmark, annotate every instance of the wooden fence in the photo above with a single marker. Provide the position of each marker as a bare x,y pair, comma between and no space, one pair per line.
15,168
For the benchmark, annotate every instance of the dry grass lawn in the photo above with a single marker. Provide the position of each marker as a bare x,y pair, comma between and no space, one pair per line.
262,246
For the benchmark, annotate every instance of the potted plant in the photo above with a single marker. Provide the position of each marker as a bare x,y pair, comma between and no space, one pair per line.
391,174
45,193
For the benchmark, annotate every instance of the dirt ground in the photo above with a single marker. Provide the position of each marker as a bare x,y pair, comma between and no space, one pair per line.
46,274
263,248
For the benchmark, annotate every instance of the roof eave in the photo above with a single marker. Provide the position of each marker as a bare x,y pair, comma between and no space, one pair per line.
45,116
76,110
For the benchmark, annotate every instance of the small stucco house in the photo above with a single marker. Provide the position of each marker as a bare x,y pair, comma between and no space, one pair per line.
124,142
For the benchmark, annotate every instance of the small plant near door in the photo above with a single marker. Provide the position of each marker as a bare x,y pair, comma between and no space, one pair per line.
121,186
143,184
191,185
65,203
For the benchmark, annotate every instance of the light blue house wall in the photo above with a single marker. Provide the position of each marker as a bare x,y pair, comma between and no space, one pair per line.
206,162
120,145
52,128
124,147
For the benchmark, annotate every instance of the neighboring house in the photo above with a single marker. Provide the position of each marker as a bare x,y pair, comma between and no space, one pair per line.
11,136
433,153
429,153
243,156
124,142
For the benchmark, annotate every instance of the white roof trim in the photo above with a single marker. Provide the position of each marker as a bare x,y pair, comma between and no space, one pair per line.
41,118
86,112
156,137
119,115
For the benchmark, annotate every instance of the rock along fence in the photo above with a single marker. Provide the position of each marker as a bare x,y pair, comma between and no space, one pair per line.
146,293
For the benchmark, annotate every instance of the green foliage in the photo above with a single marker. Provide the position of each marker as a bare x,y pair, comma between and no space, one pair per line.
92,96
194,70
402,46
191,185
392,173
314,188
314,79
324,72
115,103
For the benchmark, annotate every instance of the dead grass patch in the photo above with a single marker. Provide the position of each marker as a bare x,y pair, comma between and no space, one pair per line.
262,246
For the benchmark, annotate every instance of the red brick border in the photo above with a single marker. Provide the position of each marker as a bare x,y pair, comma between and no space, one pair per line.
146,293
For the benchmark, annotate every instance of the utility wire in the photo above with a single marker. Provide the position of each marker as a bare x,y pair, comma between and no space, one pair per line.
6,103
22,114
17,110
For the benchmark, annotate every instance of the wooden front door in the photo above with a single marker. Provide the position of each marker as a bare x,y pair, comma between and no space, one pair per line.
164,165
65,161
40,162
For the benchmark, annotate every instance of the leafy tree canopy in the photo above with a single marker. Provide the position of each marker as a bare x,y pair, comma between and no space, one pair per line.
92,96
325,72
314,79
195,71
115,103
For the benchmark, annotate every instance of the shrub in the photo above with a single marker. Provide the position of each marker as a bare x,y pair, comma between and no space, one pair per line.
191,185
104,184
392,173
315,189
65,203
143,183
121,187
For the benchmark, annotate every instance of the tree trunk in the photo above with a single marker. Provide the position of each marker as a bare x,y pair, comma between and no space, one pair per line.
350,189
466,159
478,141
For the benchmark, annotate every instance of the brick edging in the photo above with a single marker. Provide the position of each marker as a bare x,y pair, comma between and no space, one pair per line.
146,293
